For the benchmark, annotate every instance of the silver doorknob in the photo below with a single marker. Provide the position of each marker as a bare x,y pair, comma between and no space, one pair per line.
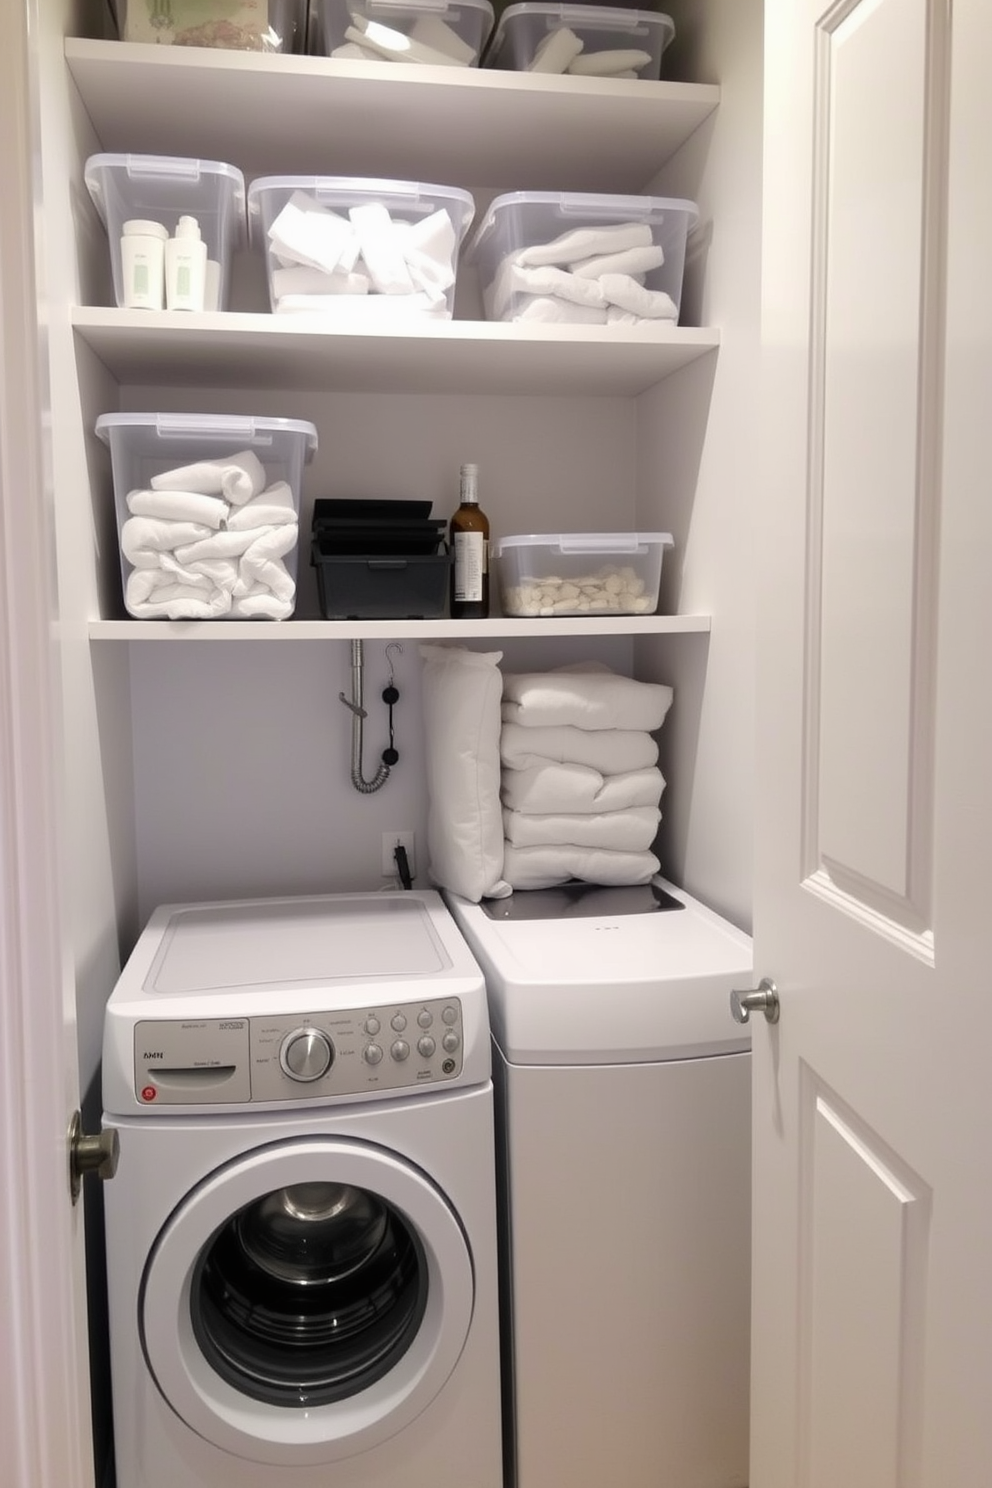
97,1154
761,999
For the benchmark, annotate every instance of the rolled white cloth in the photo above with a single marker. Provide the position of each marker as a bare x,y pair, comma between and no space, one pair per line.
649,304
551,789
611,751
144,538
155,595
609,63
262,564
546,279
633,830
583,242
215,545
594,699
260,602
544,867
549,310
273,508
178,506
630,261
237,477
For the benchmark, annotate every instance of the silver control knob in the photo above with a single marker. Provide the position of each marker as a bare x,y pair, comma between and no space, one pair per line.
450,1042
425,1017
400,1049
372,1054
450,1015
372,1025
306,1054
426,1046
398,1022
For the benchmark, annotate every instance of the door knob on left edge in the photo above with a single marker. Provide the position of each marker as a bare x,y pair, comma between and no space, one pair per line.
760,999
99,1154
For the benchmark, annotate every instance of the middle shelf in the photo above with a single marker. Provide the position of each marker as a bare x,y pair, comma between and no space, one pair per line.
262,351
384,630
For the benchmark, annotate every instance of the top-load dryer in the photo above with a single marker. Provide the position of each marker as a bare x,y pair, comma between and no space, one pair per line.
623,1147
301,1235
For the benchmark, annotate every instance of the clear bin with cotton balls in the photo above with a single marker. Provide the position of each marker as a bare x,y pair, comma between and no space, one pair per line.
582,259
580,40
173,225
580,573
208,512
233,25
436,33
366,252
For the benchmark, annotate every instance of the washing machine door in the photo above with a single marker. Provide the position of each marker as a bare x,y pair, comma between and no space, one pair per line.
306,1301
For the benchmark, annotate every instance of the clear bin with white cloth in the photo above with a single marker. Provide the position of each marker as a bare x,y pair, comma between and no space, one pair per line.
436,33
581,40
582,258
369,252
208,509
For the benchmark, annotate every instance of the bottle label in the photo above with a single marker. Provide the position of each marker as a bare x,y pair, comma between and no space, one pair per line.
470,566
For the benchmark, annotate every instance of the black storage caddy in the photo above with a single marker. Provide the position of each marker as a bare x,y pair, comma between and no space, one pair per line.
379,560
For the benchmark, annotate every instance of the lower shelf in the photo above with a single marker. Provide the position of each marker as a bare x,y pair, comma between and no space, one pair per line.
369,630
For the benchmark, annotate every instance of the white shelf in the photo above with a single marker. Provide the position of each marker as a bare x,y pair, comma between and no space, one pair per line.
382,630
278,114
261,350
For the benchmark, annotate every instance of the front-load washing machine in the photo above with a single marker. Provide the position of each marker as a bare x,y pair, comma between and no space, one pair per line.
301,1235
623,1143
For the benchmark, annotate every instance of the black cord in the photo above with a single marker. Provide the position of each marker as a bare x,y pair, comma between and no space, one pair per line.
402,865
389,756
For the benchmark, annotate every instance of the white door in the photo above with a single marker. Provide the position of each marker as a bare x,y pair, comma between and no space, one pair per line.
44,1402
872,1320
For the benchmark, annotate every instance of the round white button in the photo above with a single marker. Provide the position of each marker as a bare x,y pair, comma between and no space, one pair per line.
450,1042
398,1021
400,1049
426,1046
450,1015
425,1017
372,1025
372,1054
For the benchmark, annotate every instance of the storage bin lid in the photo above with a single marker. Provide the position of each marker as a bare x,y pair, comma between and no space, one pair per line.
246,430
587,542
171,168
615,18
356,190
583,205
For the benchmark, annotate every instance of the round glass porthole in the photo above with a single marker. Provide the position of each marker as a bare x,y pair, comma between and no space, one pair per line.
308,1294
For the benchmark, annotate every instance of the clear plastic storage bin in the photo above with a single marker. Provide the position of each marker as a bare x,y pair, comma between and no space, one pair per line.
372,252
236,25
581,573
161,189
581,40
208,510
440,33
579,258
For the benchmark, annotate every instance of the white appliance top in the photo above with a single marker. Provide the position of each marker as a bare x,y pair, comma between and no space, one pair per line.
606,987
251,1003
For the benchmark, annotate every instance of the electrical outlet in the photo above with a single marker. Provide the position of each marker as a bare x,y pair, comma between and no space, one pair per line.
390,842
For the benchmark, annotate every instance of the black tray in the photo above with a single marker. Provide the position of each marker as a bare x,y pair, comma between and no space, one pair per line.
368,587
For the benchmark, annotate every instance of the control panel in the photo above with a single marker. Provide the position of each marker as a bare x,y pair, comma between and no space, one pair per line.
297,1056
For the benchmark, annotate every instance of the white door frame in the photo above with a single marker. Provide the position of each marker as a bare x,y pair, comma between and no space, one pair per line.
44,1405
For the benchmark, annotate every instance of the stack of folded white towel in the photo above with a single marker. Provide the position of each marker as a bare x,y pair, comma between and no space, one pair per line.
588,275
563,51
580,785
366,263
208,540
429,40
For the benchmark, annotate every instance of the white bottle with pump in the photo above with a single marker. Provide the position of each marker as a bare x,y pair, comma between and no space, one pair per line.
143,264
185,267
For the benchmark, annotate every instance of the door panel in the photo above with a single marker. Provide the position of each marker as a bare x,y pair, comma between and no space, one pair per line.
872,1339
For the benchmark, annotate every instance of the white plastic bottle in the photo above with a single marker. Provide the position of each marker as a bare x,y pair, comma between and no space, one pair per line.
143,264
185,267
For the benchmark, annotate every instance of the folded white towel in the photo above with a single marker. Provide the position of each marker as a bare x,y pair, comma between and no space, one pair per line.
591,700
155,595
650,304
549,310
236,477
306,233
431,31
261,602
429,249
631,261
633,830
144,538
273,508
360,309
301,280
555,51
611,751
609,63
513,278
583,242
544,867
261,564
216,545
381,250
178,506
395,46
545,790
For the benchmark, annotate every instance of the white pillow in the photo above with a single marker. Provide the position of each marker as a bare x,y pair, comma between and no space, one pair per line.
462,691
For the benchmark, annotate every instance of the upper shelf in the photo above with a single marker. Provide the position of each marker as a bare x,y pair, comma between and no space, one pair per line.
262,351
384,630
273,114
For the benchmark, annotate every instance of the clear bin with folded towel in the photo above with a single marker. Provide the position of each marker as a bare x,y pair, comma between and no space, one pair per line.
368,252
208,509
580,40
438,33
235,25
581,258
581,573
161,189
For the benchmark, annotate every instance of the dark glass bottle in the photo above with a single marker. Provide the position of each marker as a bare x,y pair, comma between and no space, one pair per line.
469,533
